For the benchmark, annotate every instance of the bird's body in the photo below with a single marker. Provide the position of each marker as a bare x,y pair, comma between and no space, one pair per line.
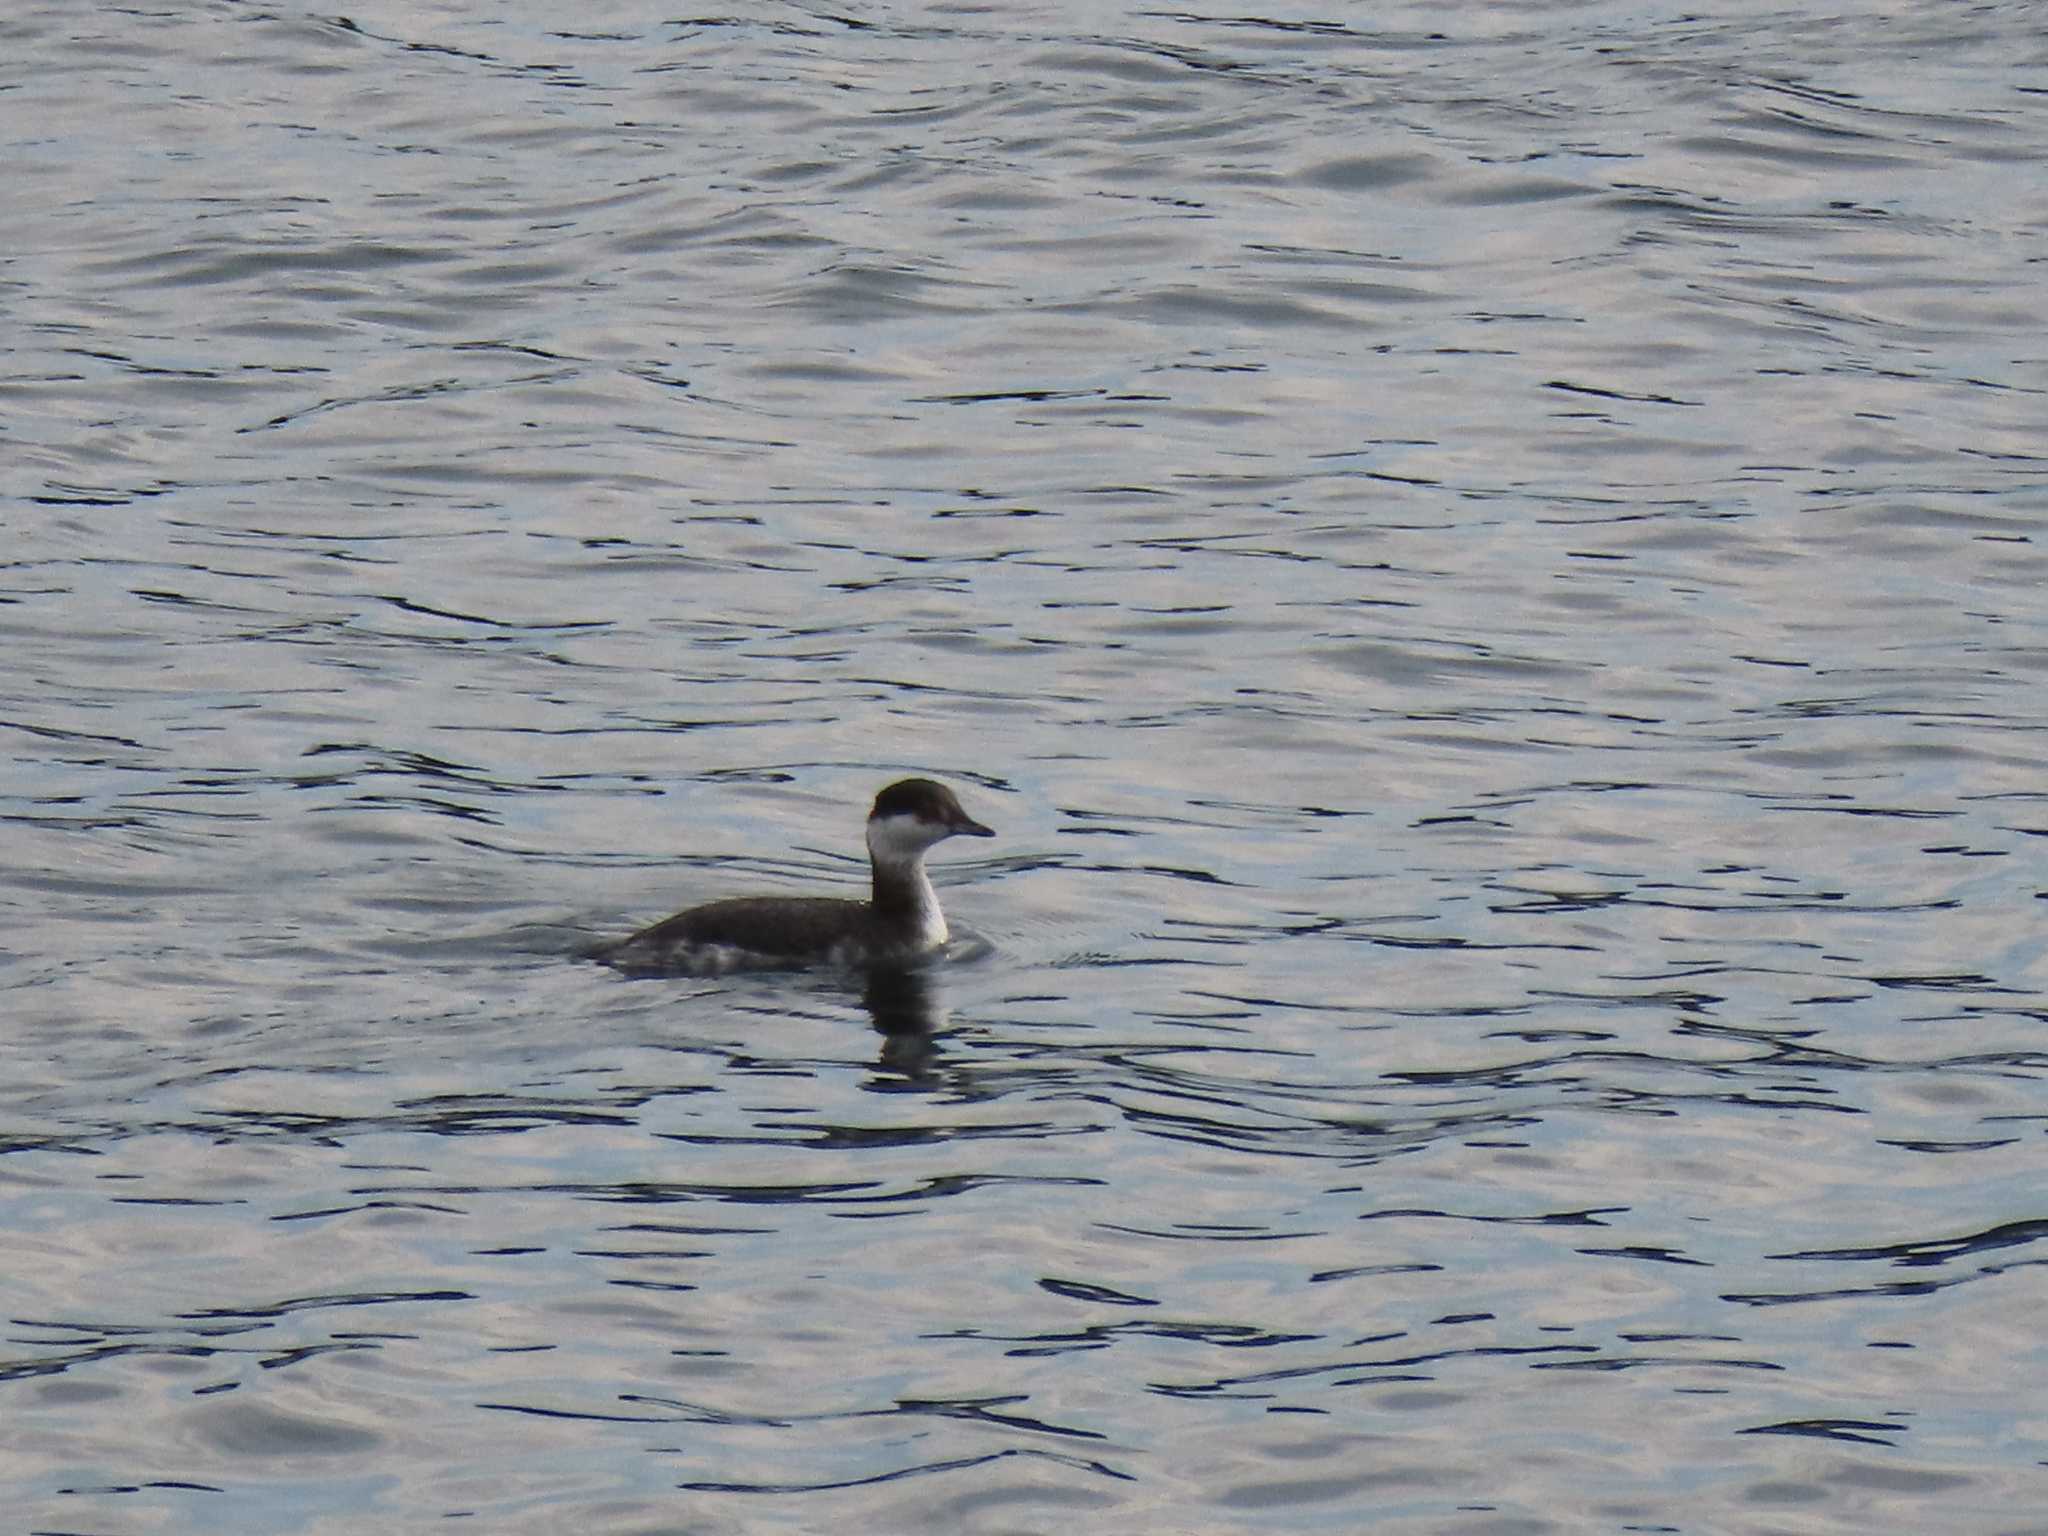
899,923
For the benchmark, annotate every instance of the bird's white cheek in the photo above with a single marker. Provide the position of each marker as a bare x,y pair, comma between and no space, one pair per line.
898,837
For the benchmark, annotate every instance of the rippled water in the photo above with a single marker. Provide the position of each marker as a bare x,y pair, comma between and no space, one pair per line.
1482,562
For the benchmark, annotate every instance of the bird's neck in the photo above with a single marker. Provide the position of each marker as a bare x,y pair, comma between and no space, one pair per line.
904,898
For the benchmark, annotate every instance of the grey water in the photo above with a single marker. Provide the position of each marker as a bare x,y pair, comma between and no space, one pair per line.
1486,564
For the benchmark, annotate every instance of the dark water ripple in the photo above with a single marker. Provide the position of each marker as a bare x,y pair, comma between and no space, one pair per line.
1483,564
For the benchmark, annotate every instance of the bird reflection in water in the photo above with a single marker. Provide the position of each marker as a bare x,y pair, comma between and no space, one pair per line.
900,1002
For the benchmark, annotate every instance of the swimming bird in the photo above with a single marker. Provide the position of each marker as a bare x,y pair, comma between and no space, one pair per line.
899,922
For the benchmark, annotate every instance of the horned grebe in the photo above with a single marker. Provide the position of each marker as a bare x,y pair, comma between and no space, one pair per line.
898,923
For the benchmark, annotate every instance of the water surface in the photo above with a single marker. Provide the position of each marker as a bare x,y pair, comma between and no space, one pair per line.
1482,563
